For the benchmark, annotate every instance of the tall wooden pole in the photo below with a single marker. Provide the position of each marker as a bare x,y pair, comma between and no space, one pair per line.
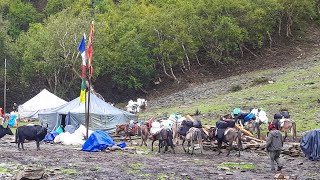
88,110
5,87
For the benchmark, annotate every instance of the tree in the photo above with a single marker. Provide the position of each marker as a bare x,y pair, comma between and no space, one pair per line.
21,15
50,54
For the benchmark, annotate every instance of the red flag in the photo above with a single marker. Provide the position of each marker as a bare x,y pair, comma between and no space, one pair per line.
89,51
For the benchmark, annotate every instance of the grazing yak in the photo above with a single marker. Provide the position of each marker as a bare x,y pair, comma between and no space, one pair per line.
34,132
4,131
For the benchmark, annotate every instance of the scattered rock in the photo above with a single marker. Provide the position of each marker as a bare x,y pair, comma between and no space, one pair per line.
114,148
281,176
224,168
107,151
30,174
184,174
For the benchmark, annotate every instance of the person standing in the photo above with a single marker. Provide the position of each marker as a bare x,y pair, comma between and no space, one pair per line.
15,107
274,145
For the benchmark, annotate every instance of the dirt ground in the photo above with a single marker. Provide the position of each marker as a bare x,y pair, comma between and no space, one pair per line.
66,162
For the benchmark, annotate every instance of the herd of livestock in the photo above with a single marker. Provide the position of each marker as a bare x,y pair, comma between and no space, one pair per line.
228,129
168,132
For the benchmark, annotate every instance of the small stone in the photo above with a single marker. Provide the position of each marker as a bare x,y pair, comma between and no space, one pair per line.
224,168
279,176
184,174
229,173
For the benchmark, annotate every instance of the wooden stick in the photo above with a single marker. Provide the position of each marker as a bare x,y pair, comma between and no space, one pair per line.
205,131
243,130
191,118
255,139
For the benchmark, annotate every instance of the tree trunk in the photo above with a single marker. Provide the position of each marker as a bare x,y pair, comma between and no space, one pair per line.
55,83
171,70
164,68
186,54
198,60
270,39
279,27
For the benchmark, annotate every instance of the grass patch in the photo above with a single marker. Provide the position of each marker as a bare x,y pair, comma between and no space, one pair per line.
3,170
135,168
70,172
238,165
235,88
295,90
162,176
145,175
19,124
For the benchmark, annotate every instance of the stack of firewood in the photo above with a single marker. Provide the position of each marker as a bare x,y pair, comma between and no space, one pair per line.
292,149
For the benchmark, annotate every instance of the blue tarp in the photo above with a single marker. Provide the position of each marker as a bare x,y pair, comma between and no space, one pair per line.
248,117
310,145
98,141
50,136
12,121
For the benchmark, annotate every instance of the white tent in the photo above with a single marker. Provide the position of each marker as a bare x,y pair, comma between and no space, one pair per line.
43,101
103,116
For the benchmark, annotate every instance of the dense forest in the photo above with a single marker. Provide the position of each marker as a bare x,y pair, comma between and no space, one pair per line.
136,42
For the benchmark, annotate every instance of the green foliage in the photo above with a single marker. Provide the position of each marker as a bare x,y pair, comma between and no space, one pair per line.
137,40
49,53
20,16
55,6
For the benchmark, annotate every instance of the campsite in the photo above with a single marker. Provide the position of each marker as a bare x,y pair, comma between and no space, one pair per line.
178,90
57,161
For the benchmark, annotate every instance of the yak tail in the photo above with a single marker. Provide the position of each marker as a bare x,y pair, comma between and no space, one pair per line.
16,136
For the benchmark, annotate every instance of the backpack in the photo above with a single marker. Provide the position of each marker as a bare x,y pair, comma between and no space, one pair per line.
197,123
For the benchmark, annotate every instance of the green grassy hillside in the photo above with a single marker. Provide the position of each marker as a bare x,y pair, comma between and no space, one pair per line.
295,88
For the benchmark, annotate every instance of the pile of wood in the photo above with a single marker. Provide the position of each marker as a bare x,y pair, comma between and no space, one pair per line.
253,143
292,149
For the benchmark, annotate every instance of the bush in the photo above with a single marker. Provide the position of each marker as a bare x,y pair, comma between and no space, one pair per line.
235,88
260,80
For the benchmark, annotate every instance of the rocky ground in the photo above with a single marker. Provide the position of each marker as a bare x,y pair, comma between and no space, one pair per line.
55,161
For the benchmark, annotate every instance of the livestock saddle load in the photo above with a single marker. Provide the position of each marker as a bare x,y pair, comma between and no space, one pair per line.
134,127
186,125
279,118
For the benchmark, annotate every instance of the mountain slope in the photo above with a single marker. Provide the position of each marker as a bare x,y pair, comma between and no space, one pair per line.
295,75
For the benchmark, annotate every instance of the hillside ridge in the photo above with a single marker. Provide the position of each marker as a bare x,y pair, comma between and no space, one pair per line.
298,54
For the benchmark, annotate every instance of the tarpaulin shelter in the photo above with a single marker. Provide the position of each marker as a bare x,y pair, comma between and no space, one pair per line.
43,101
100,140
310,144
103,116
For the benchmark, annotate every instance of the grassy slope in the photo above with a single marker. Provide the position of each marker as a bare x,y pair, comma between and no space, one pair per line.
297,90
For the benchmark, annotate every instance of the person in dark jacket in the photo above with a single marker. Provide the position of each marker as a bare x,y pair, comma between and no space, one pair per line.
15,107
273,146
